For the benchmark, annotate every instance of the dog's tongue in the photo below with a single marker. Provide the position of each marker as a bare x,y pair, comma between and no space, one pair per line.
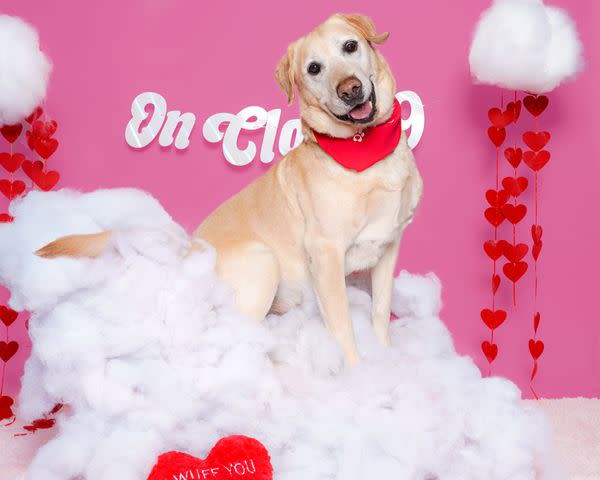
362,111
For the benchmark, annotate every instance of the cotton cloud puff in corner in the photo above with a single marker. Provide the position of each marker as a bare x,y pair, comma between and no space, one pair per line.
525,45
24,70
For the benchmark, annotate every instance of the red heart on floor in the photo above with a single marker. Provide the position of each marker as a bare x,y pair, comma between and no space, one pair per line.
515,253
536,232
7,315
37,113
535,104
231,458
5,407
536,249
515,186
6,218
41,424
514,156
536,161
515,108
12,190
497,135
495,283
514,213
44,129
45,147
536,140
536,348
514,271
7,350
11,132
494,216
499,118
11,163
494,249
46,180
496,198
536,321
493,319
490,350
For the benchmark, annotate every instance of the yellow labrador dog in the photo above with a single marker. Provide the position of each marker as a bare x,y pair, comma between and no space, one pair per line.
309,221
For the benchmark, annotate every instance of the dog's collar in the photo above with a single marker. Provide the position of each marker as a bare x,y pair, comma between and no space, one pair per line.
366,147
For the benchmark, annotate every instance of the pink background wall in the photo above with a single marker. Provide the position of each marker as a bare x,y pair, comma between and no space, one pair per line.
221,57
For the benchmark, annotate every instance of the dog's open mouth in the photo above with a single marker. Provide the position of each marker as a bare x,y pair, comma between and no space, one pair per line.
363,112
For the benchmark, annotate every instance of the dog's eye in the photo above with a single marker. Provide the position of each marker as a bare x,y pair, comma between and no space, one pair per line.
314,68
350,46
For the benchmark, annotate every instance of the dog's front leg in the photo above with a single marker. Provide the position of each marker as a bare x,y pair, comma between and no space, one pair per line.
329,281
382,278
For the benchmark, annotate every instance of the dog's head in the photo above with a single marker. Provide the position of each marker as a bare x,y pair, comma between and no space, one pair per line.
344,83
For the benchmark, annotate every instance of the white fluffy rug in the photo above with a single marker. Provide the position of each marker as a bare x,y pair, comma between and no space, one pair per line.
146,347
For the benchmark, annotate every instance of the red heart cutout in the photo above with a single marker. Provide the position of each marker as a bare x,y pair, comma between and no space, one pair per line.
5,411
497,198
536,348
514,213
31,140
6,218
497,135
7,315
31,169
494,216
494,249
515,253
514,271
44,129
46,180
515,186
536,249
536,232
499,118
536,161
536,321
11,162
45,147
12,190
535,104
37,113
7,350
11,132
514,156
515,108
490,350
234,457
493,319
536,140
495,283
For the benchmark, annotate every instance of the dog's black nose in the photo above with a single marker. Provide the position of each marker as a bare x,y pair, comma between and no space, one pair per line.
350,90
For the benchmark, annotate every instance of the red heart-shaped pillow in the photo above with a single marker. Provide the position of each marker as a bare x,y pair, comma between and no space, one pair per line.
235,457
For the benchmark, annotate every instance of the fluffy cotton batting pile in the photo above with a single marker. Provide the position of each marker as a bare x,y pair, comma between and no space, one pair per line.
148,350
525,45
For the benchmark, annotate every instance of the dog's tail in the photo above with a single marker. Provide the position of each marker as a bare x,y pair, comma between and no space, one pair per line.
78,246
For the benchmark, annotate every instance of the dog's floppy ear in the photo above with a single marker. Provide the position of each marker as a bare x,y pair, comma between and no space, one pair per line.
366,28
285,72
77,246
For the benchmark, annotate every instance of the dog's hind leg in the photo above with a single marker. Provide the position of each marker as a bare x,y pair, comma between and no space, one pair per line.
253,273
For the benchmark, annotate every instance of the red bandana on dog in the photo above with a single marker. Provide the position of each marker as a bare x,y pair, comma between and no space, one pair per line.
367,148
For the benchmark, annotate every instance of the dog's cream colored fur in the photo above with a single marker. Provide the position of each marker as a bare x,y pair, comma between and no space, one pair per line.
308,221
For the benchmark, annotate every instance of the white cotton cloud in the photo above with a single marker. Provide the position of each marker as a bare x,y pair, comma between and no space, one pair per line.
24,70
148,350
525,45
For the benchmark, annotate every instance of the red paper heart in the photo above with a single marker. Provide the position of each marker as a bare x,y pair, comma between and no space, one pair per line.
535,104
11,132
499,118
7,350
536,348
536,140
11,162
515,108
6,218
31,140
514,213
5,407
514,156
37,113
45,147
235,457
7,315
536,232
490,350
495,283
31,169
496,198
41,424
536,321
514,271
536,249
494,249
497,135
536,161
493,319
515,253
494,216
46,180
515,186
12,189
44,129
